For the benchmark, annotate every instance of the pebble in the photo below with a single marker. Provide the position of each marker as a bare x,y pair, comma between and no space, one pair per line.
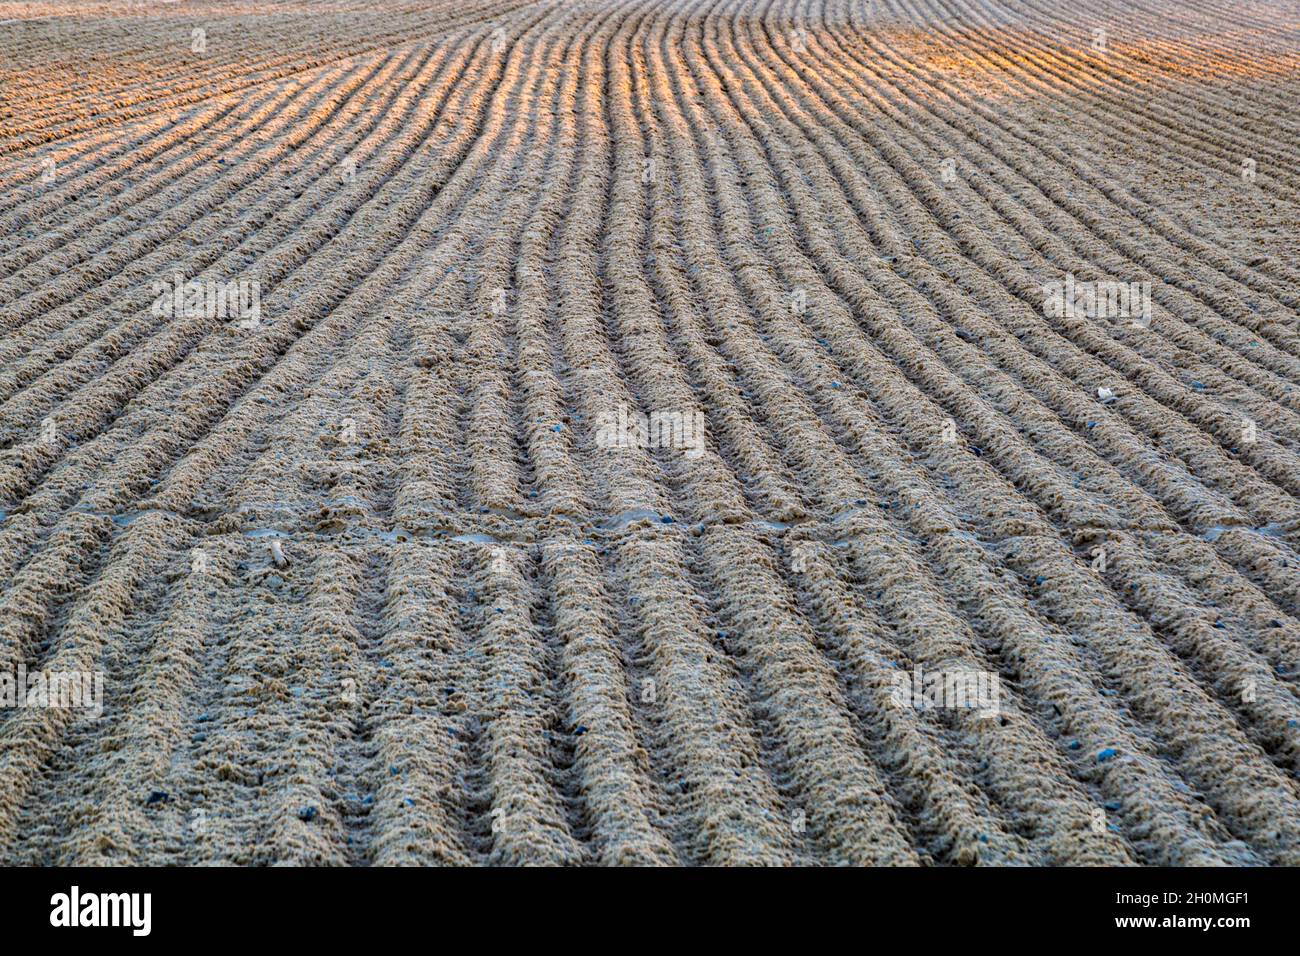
307,814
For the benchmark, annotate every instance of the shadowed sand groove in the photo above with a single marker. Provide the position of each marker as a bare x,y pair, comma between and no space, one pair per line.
639,432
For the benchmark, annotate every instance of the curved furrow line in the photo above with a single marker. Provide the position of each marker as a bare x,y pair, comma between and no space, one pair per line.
1079,411
200,89
1272,719
415,712
1058,201
79,167
459,171
181,177
871,453
314,177
131,241
299,292
1224,427
31,736
1149,214
732,216
1008,748
722,806
282,831
952,818
122,824
1190,127
841,824
170,441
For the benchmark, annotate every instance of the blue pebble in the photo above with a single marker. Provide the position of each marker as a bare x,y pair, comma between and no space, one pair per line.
1107,754
1112,804
1040,580
307,814
558,428
1075,745
667,519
